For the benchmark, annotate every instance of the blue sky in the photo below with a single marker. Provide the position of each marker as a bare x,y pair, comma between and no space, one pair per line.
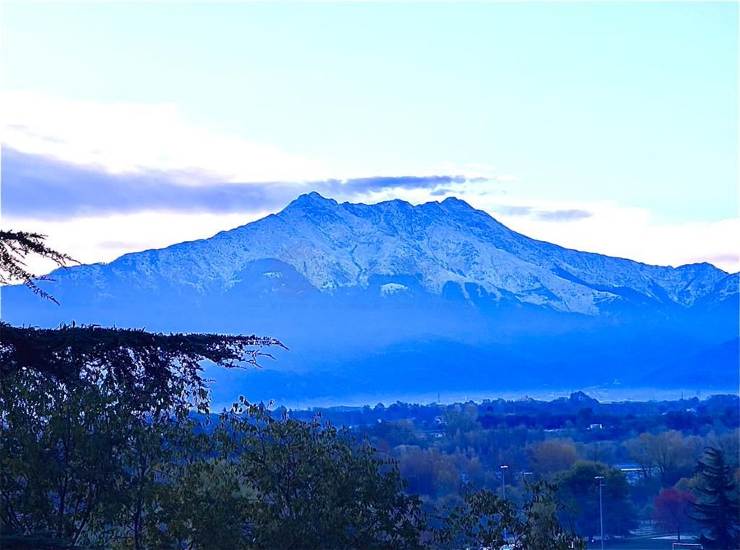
613,109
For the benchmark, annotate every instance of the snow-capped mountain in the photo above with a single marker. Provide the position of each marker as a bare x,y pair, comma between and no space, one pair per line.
337,246
394,274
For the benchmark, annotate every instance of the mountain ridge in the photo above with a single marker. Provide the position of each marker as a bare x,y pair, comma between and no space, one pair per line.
391,293
344,250
402,202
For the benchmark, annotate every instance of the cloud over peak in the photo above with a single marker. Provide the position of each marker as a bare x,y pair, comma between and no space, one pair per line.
35,186
555,215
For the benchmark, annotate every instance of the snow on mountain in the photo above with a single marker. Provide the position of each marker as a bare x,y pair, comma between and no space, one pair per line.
392,297
392,288
336,246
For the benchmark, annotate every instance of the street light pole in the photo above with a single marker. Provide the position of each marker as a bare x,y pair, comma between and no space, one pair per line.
600,479
503,467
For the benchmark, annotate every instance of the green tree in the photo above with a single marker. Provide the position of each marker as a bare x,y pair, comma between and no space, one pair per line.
716,508
84,414
552,456
579,492
203,503
485,520
429,471
314,486
481,521
541,527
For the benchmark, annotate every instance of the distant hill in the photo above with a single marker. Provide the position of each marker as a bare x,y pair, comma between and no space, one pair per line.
392,297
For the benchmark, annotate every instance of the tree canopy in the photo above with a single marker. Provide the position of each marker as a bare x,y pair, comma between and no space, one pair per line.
150,365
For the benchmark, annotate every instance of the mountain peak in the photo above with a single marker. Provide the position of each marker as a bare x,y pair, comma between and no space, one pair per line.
312,198
456,201
312,202
315,199
581,397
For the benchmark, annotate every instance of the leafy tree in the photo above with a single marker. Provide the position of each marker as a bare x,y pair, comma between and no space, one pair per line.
639,450
486,521
394,433
670,453
541,527
429,472
579,492
481,521
201,499
253,481
671,509
57,475
716,507
552,456
315,487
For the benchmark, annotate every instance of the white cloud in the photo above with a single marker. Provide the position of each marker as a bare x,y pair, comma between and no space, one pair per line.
126,137
135,137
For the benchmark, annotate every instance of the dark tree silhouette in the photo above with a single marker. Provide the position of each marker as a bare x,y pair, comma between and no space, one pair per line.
716,508
15,247
136,360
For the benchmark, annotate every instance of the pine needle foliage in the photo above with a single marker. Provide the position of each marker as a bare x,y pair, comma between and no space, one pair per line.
15,247
716,508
